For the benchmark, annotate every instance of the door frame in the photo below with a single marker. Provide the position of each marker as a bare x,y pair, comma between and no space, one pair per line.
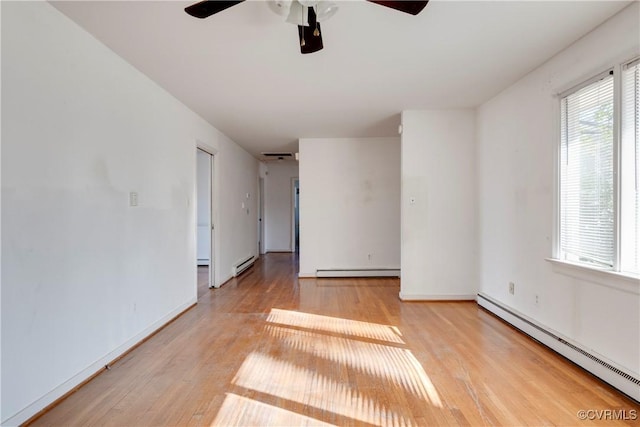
261,246
293,211
213,262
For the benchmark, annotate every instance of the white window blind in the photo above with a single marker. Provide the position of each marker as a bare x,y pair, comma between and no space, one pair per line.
629,165
586,175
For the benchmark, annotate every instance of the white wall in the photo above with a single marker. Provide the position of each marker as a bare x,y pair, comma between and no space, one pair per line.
518,133
278,205
203,201
235,175
349,203
84,275
439,237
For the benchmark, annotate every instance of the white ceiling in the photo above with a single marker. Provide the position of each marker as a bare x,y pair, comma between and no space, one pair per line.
242,70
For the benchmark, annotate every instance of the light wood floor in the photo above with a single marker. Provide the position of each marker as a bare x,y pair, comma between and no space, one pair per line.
269,349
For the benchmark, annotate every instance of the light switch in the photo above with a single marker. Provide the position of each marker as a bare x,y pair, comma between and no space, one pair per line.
412,200
133,198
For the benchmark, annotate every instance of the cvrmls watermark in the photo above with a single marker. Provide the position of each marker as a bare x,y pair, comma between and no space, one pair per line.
608,414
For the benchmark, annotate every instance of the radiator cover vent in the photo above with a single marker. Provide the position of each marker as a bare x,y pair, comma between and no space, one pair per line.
243,265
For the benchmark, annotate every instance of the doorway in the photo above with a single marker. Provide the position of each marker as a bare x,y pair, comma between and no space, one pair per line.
260,216
205,226
295,234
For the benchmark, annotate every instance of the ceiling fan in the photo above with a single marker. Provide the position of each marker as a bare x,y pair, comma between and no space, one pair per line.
306,14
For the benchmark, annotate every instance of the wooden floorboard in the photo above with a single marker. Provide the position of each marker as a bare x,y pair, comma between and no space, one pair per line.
270,349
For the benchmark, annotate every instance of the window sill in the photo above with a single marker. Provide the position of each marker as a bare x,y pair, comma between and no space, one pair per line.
625,282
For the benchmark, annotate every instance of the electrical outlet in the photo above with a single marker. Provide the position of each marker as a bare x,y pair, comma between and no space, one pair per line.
537,300
512,288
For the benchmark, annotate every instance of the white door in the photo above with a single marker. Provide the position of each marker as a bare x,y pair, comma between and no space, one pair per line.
261,216
212,229
205,237
295,215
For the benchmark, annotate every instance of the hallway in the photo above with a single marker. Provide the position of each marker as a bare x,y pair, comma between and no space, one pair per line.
269,349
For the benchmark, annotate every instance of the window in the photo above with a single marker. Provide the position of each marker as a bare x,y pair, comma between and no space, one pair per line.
630,165
599,219
586,192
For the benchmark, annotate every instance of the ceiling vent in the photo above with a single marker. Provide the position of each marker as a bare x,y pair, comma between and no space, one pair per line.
277,156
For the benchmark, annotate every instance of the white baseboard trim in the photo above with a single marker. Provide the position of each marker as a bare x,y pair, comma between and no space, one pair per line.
422,297
97,366
306,275
608,371
358,272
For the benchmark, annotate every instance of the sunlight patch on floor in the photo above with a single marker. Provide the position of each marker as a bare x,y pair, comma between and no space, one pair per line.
389,363
238,410
285,380
335,325
309,368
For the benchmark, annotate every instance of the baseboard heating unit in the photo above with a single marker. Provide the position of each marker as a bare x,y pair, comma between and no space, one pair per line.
242,266
358,272
625,381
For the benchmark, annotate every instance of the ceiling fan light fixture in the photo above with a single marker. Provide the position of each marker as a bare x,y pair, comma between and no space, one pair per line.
305,14
298,14
280,7
325,10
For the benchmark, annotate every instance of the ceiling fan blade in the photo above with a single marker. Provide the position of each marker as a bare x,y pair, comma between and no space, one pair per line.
412,7
204,9
309,42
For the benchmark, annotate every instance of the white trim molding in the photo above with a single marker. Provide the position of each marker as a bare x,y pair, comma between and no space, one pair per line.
306,275
358,272
422,297
609,278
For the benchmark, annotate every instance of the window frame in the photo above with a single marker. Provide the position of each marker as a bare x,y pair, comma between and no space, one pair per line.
577,269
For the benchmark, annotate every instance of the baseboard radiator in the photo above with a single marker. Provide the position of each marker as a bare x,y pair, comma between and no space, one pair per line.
358,272
616,376
243,265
